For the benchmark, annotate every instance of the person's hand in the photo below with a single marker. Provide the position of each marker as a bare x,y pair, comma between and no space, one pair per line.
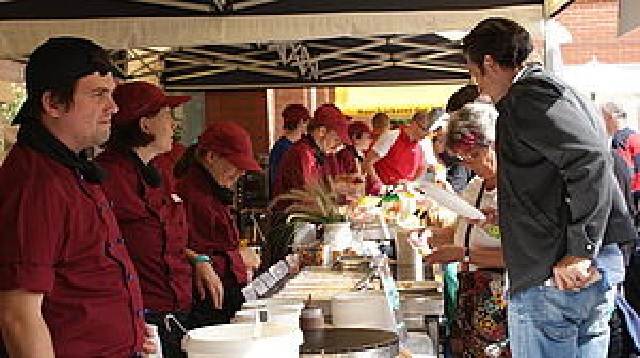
574,273
490,217
251,261
207,280
250,258
149,344
445,254
293,261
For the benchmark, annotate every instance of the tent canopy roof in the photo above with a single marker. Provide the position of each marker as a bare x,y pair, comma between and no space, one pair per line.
220,43
94,9
124,24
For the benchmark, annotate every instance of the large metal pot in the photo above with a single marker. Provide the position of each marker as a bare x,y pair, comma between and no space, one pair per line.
349,343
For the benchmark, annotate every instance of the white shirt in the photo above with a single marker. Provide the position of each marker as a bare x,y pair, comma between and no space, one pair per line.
478,236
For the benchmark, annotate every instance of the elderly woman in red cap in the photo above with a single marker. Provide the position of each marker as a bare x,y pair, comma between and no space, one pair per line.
153,222
295,118
221,156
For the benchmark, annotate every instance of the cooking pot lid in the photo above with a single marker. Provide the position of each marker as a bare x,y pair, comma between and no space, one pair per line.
345,340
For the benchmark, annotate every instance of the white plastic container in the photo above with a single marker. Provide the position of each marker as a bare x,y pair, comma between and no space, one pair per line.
289,316
362,309
243,341
275,302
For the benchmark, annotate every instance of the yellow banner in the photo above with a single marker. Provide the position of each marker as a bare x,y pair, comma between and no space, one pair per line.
399,102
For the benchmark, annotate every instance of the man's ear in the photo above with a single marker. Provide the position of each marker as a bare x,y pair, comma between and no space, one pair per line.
52,106
210,157
489,64
144,125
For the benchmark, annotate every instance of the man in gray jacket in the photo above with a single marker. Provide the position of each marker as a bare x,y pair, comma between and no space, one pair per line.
555,193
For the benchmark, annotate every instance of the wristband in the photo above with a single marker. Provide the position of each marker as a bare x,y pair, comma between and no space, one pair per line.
199,258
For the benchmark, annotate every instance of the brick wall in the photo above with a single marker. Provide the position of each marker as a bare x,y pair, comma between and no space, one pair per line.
247,108
11,71
594,26
305,96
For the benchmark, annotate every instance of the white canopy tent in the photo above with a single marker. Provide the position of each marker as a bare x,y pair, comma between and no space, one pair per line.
123,24
206,44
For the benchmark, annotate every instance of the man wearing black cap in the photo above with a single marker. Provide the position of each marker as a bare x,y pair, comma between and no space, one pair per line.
67,285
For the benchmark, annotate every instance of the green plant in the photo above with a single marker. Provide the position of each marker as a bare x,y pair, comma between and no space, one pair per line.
316,203
9,110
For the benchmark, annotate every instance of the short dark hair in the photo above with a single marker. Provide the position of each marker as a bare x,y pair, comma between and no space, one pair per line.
462,96
380,120
505,40
129,135
289,126
56,66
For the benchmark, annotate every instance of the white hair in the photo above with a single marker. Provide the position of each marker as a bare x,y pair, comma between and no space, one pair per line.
476,118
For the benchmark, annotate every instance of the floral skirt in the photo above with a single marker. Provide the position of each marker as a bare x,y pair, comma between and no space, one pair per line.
480,329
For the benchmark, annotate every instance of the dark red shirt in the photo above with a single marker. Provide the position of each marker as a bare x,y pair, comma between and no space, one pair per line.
165,163
350,164
347,160
154,229
402,162
331,166
298,167
60,237
212,228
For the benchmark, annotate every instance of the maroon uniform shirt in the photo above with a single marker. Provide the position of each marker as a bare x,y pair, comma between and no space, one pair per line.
60,238
165,163
212,228
347,160
298,167
154,229
331,166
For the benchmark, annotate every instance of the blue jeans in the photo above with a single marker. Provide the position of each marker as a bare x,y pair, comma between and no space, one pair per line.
547,322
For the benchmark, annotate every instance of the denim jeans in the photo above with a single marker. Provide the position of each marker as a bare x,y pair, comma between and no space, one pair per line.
547,322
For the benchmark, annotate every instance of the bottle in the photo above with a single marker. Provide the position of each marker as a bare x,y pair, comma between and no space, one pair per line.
311,316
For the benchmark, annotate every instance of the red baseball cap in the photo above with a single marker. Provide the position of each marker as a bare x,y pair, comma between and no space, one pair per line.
139,99
294,114
330,117
231,142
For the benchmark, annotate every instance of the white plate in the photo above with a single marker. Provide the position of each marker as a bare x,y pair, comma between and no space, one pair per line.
451,201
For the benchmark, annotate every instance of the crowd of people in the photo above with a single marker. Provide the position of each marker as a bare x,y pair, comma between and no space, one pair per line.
546,272
96,249
95,252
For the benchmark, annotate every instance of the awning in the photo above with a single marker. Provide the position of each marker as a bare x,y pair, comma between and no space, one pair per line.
372,60
170,23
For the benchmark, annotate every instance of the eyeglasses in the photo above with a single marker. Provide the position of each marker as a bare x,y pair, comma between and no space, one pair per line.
469,156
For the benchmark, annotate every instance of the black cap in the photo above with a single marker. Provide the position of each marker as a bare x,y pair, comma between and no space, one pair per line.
58,61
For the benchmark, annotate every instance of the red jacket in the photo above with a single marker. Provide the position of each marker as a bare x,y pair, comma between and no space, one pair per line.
299,167
212,227
60,237
154,228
